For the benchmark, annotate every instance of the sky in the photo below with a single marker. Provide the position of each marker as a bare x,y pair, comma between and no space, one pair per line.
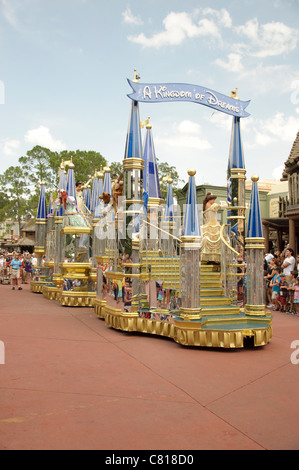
64,66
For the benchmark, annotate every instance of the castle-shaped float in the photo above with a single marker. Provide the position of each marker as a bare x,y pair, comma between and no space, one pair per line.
120,248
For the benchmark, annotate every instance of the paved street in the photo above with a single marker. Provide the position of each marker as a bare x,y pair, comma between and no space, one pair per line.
70,382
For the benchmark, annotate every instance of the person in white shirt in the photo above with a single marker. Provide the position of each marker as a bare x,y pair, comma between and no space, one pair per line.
289,264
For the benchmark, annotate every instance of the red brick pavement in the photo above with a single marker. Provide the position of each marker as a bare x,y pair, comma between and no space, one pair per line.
70,382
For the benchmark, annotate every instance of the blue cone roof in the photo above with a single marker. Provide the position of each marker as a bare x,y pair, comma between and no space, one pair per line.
236,156
51,203
62,180
94,194
107,186
168,215
133,147
151,183
87,198
42,204
70,183
191,219
254,228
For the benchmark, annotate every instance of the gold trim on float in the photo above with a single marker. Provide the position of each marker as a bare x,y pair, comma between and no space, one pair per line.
51,293
102,259
99,305
133,163
115,275
49,264
185,333
255,310
77,299
37,287
154,202
75,267
76,230
39,249
188,314
40,221
133,201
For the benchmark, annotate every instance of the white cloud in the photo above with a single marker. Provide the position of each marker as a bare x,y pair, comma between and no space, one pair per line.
42,136
269,39
277,172
281,127
10,147
177,28
186,134
263,139
129,18
277,129
222,16
233,63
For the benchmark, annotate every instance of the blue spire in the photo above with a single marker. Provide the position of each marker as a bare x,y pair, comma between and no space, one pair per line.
254,229
168,215
94,194
87,198
99,192
151,183
133,147
107,186
42,203
70,182
50,206
191,221
100,184
236,157
62,178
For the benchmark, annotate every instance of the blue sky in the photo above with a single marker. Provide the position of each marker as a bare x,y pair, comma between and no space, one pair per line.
65,64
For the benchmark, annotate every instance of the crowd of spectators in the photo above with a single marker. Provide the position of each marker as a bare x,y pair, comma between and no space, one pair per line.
17,268
282,281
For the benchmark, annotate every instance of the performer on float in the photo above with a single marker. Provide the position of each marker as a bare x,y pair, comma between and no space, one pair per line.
79,194
72,216
211,243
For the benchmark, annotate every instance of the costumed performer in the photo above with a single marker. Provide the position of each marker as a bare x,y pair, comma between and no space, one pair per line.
211,242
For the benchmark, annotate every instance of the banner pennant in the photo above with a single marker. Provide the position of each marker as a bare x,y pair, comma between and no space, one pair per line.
166,92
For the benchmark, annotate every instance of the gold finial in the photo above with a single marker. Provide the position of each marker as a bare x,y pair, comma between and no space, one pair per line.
169,179
136,77
42,183
107,169
146,123
234,94
69,163
255,178
191,172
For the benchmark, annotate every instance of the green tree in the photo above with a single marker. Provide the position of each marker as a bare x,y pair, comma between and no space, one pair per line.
86,163
164,170
37,166
116,169
17,191
4,204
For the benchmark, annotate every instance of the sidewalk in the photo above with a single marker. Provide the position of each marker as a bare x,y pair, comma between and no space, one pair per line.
70,382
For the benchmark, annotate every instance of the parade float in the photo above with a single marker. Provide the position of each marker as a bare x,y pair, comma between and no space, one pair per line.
146,265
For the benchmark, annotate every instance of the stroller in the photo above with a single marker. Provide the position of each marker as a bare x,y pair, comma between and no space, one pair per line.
5,275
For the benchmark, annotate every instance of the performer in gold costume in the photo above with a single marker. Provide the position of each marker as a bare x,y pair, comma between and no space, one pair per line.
211,243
